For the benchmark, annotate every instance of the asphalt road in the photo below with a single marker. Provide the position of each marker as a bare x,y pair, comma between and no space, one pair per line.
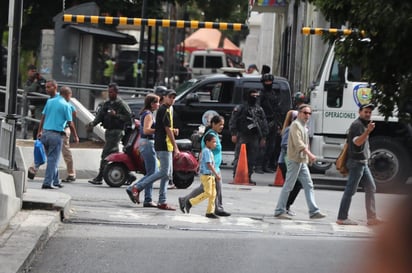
108,233
105,248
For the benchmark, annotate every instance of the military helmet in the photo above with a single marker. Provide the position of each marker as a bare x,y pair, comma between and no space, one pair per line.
267,77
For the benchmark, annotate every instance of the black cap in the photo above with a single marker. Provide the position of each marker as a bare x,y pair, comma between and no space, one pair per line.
169,92
367,105
114,86
160,90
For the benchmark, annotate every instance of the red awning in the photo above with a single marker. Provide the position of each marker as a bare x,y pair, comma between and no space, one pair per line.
205,38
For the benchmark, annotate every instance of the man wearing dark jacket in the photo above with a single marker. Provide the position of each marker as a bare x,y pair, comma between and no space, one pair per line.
248,126
114,114
271,102
35,84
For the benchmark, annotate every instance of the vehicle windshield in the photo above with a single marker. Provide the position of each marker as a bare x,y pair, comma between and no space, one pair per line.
186,85
321,68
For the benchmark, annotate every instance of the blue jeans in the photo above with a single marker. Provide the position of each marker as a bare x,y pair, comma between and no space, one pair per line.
52,142
146,149
164,174
295,171
358,171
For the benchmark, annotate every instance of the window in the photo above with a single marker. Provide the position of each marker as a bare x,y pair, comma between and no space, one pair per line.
334,87
216,92
198,62
214,62
337,73
355,74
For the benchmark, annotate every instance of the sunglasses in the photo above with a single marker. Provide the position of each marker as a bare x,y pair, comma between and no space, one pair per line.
306,113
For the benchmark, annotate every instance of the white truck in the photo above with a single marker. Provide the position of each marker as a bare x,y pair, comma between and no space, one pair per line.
335,97
206,62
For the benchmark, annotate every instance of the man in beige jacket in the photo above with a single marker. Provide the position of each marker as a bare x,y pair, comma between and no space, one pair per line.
299,156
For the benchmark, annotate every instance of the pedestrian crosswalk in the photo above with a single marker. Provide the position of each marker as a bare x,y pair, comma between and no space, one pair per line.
235,223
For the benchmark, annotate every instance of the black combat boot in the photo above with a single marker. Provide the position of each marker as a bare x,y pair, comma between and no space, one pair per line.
258,169
267,169
98,180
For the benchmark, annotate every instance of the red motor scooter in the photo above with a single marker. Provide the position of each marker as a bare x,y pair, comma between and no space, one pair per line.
116,171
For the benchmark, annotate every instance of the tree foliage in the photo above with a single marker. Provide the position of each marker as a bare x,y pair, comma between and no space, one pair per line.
386,58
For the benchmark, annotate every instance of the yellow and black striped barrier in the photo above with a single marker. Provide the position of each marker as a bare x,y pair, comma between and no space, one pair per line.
108,20
337,31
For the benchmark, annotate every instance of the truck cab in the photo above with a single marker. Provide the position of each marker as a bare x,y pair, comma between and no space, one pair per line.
335,97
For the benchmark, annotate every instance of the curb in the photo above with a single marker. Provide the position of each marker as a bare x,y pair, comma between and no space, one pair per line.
27,234
30,229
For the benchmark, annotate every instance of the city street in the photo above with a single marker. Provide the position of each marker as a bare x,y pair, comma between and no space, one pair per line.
91,67
108,233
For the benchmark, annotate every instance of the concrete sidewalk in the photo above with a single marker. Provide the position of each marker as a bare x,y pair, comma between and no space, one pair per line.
30,229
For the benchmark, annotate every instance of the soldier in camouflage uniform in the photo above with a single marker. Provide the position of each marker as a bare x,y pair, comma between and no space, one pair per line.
114,114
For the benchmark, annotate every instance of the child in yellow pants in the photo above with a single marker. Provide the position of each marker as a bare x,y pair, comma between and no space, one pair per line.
208,175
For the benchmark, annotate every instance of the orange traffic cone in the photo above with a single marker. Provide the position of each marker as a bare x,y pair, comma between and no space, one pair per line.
279,180
242,171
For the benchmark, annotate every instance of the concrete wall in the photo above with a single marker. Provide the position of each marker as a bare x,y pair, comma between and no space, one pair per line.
14,183
46,53
312,47
268,44
264,43
10,204
86,161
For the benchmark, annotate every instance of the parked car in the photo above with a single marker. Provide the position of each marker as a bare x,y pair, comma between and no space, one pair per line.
217,92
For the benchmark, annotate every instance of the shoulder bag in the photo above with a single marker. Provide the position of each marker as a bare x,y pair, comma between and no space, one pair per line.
341,160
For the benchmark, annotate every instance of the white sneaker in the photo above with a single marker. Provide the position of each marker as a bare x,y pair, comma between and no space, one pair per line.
291,212
346,222
317,215
283,216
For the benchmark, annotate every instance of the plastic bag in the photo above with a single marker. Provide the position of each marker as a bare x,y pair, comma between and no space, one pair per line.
39,153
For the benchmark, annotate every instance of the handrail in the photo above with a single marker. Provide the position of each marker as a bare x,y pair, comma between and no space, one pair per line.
99,87
24,119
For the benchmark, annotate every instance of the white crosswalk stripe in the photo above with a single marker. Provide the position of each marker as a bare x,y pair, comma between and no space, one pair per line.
235,223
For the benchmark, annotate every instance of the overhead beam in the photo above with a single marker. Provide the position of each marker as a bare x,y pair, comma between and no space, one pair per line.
337,31
109,20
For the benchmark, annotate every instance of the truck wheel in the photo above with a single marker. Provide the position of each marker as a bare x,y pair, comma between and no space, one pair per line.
115,174
320,167
389,163
183,180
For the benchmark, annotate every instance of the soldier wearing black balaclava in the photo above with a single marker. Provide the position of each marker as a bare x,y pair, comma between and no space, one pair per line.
248,126
271,103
